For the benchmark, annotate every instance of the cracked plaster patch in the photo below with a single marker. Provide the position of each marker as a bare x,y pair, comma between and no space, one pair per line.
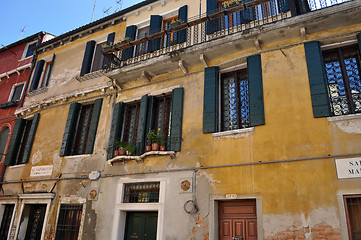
36,157
351,126
67,76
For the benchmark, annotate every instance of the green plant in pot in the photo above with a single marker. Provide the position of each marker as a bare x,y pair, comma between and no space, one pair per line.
129,149
153,139
120,145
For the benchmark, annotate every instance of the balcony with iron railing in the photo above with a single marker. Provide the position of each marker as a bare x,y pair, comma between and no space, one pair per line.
235,19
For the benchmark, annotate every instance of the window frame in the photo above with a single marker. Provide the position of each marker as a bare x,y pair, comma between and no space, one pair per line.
12,92
27,48
66,222
12,217
137,52
98,47
125,129
345,197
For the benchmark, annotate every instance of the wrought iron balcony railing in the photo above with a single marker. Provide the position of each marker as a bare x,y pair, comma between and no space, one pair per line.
233,17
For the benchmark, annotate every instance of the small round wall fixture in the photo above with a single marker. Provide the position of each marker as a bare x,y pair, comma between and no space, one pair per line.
185,185
190,207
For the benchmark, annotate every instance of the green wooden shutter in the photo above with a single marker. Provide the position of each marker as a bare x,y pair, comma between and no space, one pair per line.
29,143
149,115
140,142
359,41
247,15
15,140
255,90
210,100
155,27
317,80
110,42
130,33
70,128
37,74
213,25
182,16
47,77
88,58
176,118
93,126
116,128
283,5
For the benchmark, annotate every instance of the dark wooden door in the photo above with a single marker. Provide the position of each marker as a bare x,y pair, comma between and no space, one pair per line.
141,226
237,220
36,221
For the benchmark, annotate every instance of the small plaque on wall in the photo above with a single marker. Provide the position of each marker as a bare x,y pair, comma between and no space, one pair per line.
348,168
39,171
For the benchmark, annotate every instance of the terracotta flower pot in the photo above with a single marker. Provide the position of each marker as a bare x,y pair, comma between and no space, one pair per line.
162,148
116,152
121,151
128,153
155,146
148,148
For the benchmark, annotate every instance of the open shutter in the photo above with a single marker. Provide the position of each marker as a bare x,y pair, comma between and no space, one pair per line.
283,5
247,15
70,128
37,74
116,128
213,25
255,89
47,77
88,57
155,27
15,140
140,147
210,100
130,35
182,17
176,118
29,143
110,42
93,125
317,80
359,41
149,115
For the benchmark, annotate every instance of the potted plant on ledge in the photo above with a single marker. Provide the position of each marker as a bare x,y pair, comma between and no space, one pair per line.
129,149
154,140
119,145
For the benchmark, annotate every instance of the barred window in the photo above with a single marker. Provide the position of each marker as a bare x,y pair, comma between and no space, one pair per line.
234,100
161,117
342,67
131,118
141,192
353,212
69,221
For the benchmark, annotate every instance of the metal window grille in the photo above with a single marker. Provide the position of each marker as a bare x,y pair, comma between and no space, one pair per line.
131,118
6,220
342,67
354,214
161,116
141,192
234,100
69,221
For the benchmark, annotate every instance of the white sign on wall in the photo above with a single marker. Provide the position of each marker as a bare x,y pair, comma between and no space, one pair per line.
348,168
39,171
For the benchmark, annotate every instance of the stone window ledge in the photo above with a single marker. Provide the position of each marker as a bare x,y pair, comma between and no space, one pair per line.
90,76
237,133
344,117
124,158
37,92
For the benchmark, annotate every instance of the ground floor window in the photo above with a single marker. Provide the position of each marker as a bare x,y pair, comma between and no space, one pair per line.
7,215
141,225
353,213
32,220
237,219
69,221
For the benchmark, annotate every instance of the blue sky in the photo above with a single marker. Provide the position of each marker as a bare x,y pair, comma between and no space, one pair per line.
55,17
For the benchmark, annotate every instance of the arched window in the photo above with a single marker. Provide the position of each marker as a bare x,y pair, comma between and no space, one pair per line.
4,134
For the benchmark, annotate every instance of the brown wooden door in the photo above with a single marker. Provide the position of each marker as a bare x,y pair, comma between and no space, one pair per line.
237,220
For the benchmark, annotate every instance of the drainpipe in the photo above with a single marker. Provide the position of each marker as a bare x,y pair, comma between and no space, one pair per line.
33,61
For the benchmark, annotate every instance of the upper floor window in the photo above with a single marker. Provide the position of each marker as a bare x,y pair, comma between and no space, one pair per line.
94,59
42,74
334,78
241,103
4,135
7,211
21,141
142,48
81,128
16,92
342,67
133,121
29,49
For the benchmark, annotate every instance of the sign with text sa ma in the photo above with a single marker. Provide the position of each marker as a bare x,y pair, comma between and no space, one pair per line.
348,168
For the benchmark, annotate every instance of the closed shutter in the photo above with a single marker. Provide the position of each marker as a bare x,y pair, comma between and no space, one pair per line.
283,5
15,140
213,25
70,128
255,89
116,128
37,74
110,42
140,142
247,15
130,35
93,125
359,41
155,27
176,118
210,100
47,77
149,115
29,143
317,80
88,57
182,16
302,7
